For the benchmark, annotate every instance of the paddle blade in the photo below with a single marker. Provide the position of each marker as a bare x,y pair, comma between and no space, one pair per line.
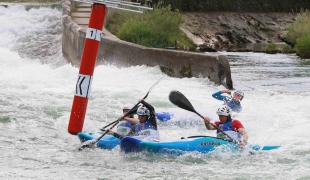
87,144
178,99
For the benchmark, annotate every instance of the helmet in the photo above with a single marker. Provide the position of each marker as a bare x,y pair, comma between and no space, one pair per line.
240,92
143,111
128,106
223,110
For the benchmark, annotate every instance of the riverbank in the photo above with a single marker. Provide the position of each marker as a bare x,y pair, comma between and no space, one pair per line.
237,31
230,31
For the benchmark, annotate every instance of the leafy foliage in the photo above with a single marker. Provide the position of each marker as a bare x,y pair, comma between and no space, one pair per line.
287,49
271,48
159,28
303,46
300,27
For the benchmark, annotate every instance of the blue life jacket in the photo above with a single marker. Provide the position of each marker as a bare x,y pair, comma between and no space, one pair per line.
147,125
126,124
227,129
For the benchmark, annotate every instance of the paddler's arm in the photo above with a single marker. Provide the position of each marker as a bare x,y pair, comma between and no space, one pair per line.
132,120
245,137
147,105
110,131
218,95
207,123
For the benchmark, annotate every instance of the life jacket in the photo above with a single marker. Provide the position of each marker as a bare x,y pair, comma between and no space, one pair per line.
234,106
146,131
227,129
124,128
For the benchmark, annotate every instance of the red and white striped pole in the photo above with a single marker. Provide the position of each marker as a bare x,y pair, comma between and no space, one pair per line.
88,62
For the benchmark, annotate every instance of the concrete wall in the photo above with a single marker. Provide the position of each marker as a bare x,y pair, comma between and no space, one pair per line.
123,54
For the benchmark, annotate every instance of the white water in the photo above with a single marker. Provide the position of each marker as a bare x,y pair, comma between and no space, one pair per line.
37,88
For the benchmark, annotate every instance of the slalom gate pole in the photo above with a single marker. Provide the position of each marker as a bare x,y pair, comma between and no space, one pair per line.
88,62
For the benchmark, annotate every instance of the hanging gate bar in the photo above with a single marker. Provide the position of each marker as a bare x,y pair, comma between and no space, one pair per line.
118,4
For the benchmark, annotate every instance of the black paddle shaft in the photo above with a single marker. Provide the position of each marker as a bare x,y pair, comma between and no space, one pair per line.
178,99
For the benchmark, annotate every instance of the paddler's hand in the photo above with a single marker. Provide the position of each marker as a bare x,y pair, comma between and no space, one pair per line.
226,91
242,144
206,119
110,131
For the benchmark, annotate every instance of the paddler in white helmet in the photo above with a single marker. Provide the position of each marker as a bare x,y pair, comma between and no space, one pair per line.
146,129
233,129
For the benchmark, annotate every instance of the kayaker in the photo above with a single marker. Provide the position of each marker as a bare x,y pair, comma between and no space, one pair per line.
146,129
124,127
233,128
231,101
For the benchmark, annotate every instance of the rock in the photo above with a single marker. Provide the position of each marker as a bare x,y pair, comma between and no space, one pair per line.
205,48
219,30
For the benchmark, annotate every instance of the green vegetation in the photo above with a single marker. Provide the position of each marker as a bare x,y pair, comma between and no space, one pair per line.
270,48
159,28
300,27
303,46
287,49
299,34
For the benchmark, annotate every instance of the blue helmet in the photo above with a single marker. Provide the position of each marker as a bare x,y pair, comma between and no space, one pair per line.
240,92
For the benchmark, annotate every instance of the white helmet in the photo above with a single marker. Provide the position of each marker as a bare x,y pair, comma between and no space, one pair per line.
223,110
240,92
128,106
143,111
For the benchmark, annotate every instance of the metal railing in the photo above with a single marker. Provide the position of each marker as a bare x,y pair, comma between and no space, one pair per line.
118,4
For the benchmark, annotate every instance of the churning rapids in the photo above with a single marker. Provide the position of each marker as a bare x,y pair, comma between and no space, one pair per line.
36,93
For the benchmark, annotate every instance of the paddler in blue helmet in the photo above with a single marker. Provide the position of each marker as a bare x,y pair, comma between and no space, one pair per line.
127,122
146,129
233,128
233,102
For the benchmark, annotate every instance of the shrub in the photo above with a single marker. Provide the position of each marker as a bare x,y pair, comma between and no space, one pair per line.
300,27
287,49
270,48
303,46
159,28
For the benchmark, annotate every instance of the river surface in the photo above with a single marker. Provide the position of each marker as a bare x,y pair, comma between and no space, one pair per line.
36,93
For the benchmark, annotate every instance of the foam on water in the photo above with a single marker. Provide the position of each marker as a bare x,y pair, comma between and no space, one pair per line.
36,97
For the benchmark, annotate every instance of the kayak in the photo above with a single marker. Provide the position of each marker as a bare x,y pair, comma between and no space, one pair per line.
164,116
130,144
202,144
106,142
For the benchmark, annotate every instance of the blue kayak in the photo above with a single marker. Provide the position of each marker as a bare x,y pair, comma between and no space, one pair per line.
106,142
202,144
130,144
164,116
